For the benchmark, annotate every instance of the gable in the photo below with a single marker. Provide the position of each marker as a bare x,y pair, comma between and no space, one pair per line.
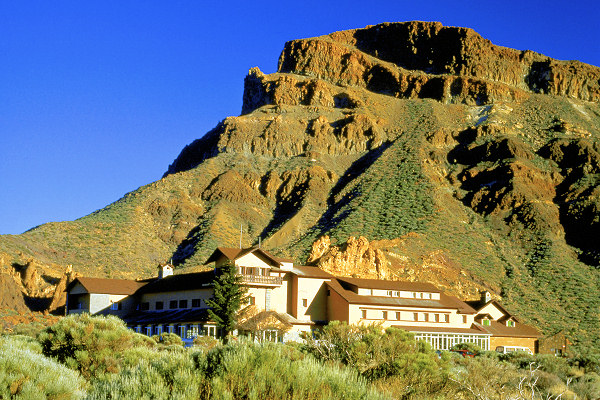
494,311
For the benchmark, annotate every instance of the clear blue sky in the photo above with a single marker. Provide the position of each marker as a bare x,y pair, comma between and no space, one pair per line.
98,97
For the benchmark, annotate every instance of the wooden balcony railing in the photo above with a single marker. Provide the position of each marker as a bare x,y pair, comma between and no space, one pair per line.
270,280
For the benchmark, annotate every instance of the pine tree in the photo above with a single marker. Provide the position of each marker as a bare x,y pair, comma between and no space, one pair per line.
228,296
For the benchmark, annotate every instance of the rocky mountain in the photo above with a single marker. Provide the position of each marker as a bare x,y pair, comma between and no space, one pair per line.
402,150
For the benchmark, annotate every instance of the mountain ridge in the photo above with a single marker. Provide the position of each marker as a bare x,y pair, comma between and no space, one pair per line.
370,147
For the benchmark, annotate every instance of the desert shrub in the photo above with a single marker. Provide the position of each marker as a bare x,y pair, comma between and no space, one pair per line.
252,371
587,387
24,342
168,339
391,358
206,342
93,345
589,361
26,374
158,375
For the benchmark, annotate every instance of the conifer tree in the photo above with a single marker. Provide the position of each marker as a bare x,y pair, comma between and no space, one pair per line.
228,296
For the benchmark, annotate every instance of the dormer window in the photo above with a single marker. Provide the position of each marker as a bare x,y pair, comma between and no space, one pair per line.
486,322
510,323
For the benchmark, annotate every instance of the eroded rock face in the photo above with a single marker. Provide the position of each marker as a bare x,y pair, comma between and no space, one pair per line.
357,257
398,56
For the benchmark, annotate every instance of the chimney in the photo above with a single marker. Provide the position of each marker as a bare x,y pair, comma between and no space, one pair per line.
486,297
164,270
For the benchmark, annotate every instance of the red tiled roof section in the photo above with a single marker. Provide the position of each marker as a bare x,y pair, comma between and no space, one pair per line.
519,330
445,301
233,254
175,283
108,286
474,329
390,285
311,272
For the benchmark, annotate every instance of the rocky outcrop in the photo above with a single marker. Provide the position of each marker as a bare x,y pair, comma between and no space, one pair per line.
427,59
356,257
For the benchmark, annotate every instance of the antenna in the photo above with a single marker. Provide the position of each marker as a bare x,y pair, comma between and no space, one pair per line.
241,232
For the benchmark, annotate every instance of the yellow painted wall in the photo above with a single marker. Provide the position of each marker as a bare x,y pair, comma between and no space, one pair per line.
315,292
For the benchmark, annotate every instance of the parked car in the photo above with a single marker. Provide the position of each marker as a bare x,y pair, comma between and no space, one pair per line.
464,353
510,349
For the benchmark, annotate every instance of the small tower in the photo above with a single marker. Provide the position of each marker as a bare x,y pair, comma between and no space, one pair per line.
164,270
486,297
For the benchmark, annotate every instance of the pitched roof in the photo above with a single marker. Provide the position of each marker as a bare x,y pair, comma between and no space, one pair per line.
108,286
311,272
445,301
233,254
474,329
390,285
174,283
519,330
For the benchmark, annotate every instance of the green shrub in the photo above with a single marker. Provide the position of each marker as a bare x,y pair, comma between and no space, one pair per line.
93,345
252,371
392,359
168,339
158,375
26,374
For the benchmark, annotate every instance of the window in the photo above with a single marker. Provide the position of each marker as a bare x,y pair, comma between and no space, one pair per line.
437,317
425,317
173,304
363,314
115,306
396,294
446,318
464,319
389,293
486,322
252,300
148,331
196,303
510,323
159,305
158,329
384,314
415,316
304,303
182,303
182,331
398,316
145,306
427,295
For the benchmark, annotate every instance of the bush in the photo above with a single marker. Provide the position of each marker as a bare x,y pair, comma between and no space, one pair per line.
392,359
158,375
168,339
26,374
252,371
92,345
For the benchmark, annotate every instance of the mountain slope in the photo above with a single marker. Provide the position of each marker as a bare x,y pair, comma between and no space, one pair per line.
461,163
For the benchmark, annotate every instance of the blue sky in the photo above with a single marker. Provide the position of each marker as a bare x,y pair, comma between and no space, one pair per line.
98,97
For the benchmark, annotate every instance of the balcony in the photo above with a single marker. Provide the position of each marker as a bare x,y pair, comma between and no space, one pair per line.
261,280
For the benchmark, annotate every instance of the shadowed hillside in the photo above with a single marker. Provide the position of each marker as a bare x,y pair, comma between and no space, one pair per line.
407,151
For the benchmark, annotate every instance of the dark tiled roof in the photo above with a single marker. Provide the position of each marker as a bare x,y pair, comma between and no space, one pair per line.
233,254
474,329
174,283
519,330
390,285
311,272
108,286
167,317
445,301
